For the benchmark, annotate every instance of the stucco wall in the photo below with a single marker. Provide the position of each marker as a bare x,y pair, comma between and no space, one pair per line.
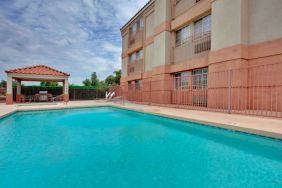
183,6
124,67
265,20
149,57
162,49
150,25
124,42
245,22
228,23
162,11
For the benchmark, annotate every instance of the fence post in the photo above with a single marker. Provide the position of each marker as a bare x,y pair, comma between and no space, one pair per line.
229,91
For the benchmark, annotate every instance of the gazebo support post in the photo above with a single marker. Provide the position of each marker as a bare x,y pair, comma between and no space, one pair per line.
66,90
9,91
18,96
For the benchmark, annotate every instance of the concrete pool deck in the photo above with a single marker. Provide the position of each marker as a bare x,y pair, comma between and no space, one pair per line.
270,127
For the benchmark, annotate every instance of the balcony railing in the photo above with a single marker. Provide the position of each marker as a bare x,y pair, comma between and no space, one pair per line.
193,46
135,67
135,37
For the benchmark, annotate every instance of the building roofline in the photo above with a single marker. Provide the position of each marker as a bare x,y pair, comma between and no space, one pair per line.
150,2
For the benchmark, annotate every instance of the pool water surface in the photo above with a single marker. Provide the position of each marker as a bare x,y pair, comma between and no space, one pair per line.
114,148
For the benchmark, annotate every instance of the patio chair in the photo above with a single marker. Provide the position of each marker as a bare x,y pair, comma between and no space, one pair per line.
36,97
22,98
50,97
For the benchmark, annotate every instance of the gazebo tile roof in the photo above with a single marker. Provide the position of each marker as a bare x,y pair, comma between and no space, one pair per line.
38,70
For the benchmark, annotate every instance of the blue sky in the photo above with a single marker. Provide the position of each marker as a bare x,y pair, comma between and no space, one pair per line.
76,36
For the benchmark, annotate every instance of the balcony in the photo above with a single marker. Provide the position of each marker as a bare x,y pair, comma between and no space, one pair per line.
135,38
135,67
197,45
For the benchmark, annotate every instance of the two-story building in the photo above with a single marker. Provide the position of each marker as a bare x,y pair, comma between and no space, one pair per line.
172,45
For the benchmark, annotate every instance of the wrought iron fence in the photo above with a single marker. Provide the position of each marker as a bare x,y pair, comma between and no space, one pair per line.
255,90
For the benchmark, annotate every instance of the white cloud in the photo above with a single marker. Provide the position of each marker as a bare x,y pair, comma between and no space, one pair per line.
75,36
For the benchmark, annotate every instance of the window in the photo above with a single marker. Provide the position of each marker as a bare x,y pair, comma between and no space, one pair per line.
132,57
139,24
183,35
200,78
134,28
181,80
202,37
200,81
198,27
136,56
139,55
203,25
207,23
137,84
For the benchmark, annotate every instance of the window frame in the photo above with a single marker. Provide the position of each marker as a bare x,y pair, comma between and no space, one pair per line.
200,78
138,84
204,25
131,59
181,80
138,25
138,56
183,35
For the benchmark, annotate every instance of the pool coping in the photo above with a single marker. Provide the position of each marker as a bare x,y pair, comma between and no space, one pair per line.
146,109
213,124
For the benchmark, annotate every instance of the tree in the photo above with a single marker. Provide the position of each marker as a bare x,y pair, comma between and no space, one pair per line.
102,85
49,84
114,79
117,76
94,79
110,80
3,83
87,82
72,84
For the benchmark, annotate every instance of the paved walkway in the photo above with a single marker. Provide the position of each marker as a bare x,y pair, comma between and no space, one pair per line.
270,127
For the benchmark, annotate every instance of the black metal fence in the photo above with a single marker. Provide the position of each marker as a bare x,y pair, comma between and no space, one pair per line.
75,93
86,94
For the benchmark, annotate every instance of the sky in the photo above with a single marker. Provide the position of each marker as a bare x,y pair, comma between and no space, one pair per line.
75,36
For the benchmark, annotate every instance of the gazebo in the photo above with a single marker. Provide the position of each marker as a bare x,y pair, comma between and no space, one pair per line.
35,73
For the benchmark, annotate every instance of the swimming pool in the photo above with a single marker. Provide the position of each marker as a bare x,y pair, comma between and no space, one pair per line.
110,147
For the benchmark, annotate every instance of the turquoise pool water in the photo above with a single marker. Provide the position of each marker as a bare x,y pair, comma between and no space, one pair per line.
113,148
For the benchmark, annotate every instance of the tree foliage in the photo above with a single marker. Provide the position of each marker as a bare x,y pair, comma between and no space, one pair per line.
49,84
94,80
87,82
113,79
3,83
110,80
